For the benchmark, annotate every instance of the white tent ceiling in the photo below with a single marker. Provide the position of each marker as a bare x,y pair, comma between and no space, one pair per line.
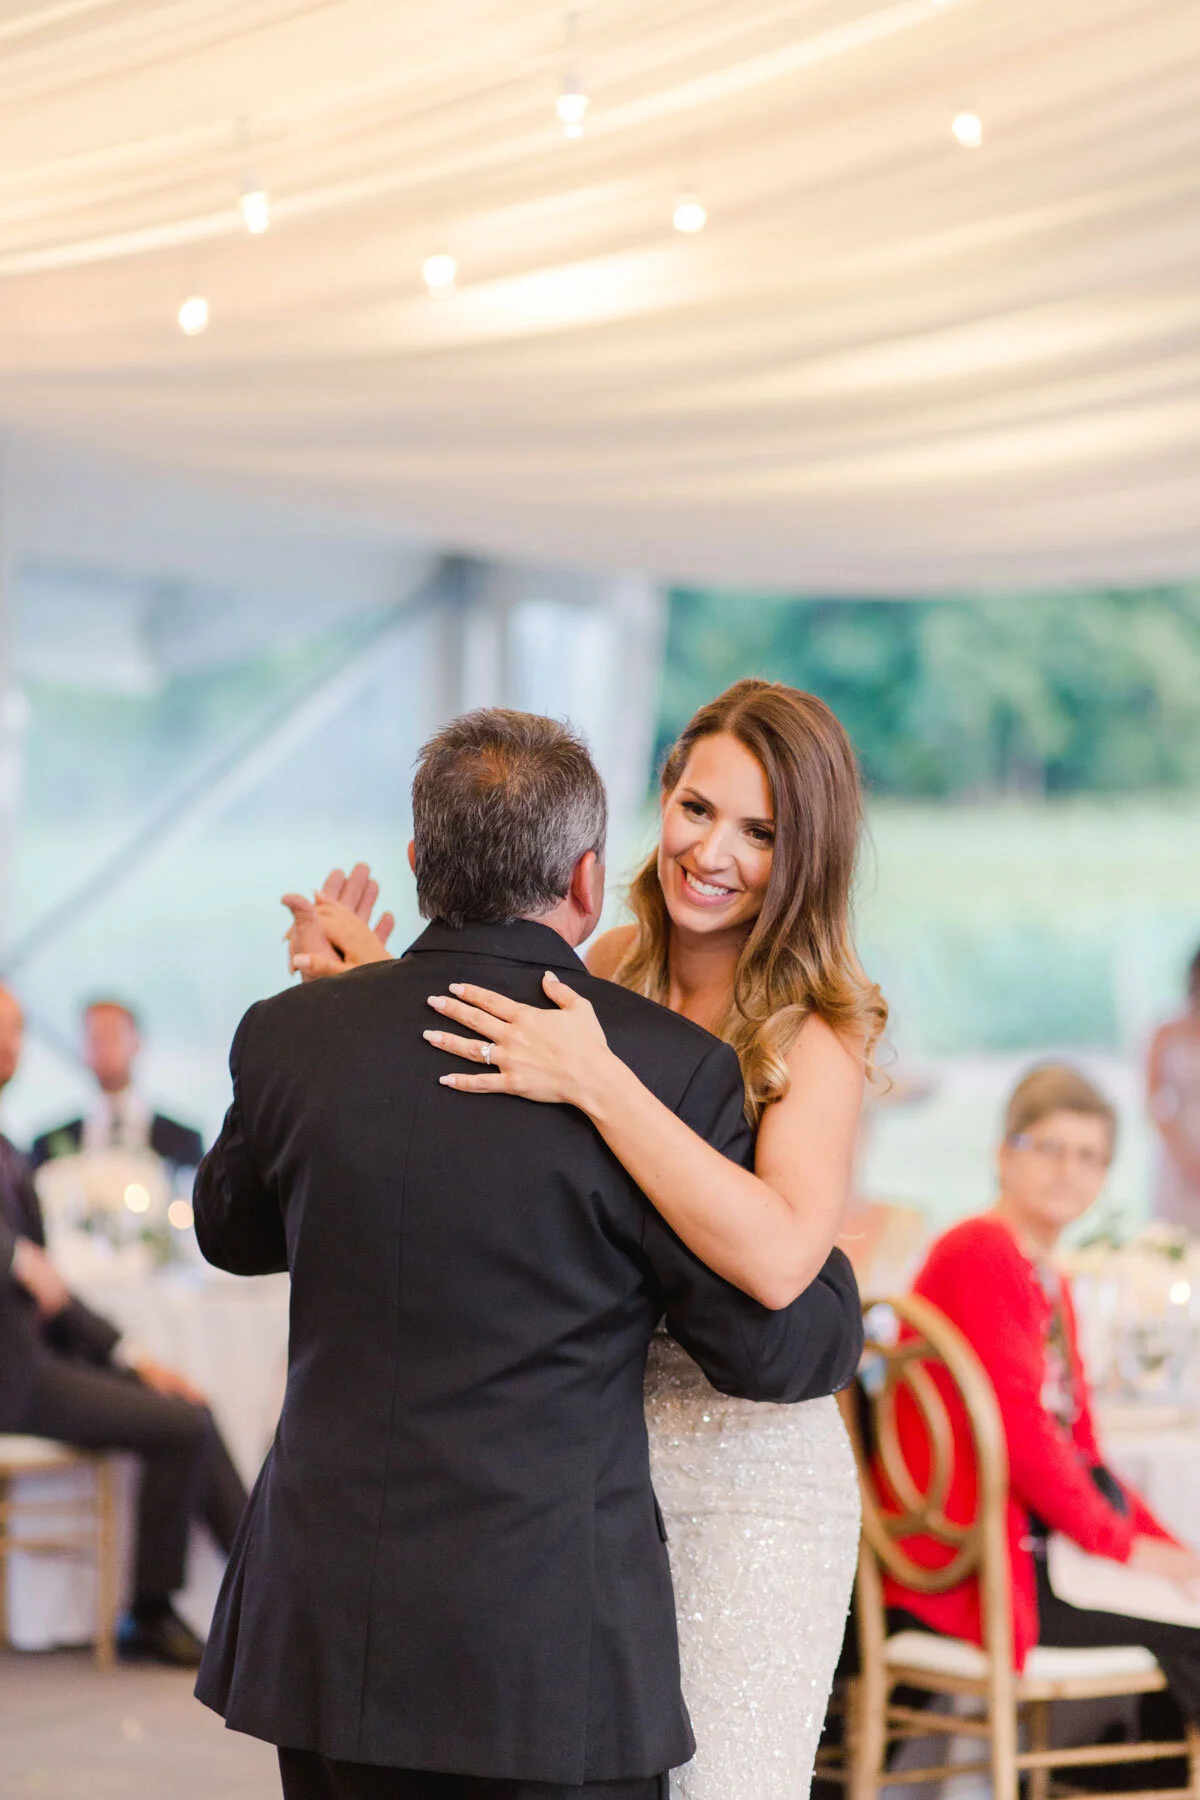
889,364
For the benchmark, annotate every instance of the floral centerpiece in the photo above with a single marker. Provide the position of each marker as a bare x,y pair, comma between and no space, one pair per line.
116,1198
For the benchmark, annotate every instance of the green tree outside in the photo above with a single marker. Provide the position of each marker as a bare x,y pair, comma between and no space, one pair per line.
1026,694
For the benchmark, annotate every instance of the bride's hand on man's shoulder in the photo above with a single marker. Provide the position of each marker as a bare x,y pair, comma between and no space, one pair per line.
332,932
548,1054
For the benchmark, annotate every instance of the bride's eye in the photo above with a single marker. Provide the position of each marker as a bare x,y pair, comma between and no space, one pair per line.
761,836
694,809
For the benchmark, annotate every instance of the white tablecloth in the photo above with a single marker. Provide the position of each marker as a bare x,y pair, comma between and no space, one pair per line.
1161,1459
227,1335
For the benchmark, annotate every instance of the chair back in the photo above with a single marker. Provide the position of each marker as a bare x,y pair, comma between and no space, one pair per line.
909,1342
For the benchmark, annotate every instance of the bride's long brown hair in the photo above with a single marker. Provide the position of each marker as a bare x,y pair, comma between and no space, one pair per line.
799,957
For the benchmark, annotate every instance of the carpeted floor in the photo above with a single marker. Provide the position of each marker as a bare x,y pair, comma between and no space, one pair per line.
68,1732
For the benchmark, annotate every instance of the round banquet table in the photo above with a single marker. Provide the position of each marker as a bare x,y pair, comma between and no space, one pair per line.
1152,1441
227,1335
1156,1449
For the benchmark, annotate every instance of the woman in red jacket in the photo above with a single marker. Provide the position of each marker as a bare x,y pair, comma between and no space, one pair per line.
993,1276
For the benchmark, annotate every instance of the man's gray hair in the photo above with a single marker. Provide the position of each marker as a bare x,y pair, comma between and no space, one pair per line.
504,805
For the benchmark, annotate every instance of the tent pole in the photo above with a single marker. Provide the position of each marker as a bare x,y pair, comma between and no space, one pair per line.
237,767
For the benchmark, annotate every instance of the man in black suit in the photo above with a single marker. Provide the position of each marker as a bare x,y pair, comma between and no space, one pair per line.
120,1118
451,1581
68,1374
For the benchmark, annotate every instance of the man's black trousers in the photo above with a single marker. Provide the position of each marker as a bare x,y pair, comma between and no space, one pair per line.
307,1776
186,1469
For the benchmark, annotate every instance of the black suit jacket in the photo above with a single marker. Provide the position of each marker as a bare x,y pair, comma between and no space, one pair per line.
453,1558
175,1143
77,1331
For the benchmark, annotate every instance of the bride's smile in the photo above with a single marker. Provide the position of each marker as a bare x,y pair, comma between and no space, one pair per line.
706,889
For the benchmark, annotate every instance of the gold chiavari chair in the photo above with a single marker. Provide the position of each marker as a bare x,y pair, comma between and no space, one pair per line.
895,1509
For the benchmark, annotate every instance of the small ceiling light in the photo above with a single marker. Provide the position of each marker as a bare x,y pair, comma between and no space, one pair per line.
180,1215
439,273
689,216
193,316
968,129
570,106
137,1198
572,102
256,210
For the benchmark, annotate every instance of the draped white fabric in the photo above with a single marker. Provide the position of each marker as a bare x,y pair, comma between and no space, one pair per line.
889,364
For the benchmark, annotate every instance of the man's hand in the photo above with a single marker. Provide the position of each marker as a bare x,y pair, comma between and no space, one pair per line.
1173,1562
34,1271
305,938
310,949
166,1381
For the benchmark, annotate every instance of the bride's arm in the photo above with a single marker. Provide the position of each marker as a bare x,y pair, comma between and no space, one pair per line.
768,1232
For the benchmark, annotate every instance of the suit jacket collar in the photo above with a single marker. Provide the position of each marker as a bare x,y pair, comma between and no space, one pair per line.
514,940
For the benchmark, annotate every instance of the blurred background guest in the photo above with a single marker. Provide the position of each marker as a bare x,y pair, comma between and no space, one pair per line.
121,1117
995,1277
1174,1095
885,1239
66,1373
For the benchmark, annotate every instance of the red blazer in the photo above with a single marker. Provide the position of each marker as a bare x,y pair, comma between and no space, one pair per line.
979,1277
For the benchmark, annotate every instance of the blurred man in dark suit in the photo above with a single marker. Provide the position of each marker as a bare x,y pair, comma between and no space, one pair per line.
120,1118
68,1374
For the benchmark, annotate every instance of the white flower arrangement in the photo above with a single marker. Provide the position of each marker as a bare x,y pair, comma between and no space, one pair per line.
117,1197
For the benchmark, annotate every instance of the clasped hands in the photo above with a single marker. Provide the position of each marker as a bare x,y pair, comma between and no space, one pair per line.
332,932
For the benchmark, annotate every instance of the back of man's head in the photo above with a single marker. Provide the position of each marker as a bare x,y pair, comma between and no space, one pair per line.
504,806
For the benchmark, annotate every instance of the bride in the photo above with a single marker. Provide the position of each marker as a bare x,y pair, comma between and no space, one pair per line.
742,924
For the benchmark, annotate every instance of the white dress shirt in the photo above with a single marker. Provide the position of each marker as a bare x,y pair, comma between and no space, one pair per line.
118,1121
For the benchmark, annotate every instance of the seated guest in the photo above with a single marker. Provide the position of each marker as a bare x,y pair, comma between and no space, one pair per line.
994,1277
120,1118
67,1374
1173,1083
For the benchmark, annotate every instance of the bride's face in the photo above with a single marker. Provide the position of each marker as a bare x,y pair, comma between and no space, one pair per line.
718,839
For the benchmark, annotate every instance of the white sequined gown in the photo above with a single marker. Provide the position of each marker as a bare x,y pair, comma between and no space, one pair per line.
762,1511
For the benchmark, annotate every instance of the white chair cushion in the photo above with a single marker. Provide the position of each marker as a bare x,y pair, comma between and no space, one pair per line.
934,1655
18,1454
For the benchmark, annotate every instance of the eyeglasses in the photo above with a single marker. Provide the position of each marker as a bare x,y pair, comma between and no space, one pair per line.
1092,1162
